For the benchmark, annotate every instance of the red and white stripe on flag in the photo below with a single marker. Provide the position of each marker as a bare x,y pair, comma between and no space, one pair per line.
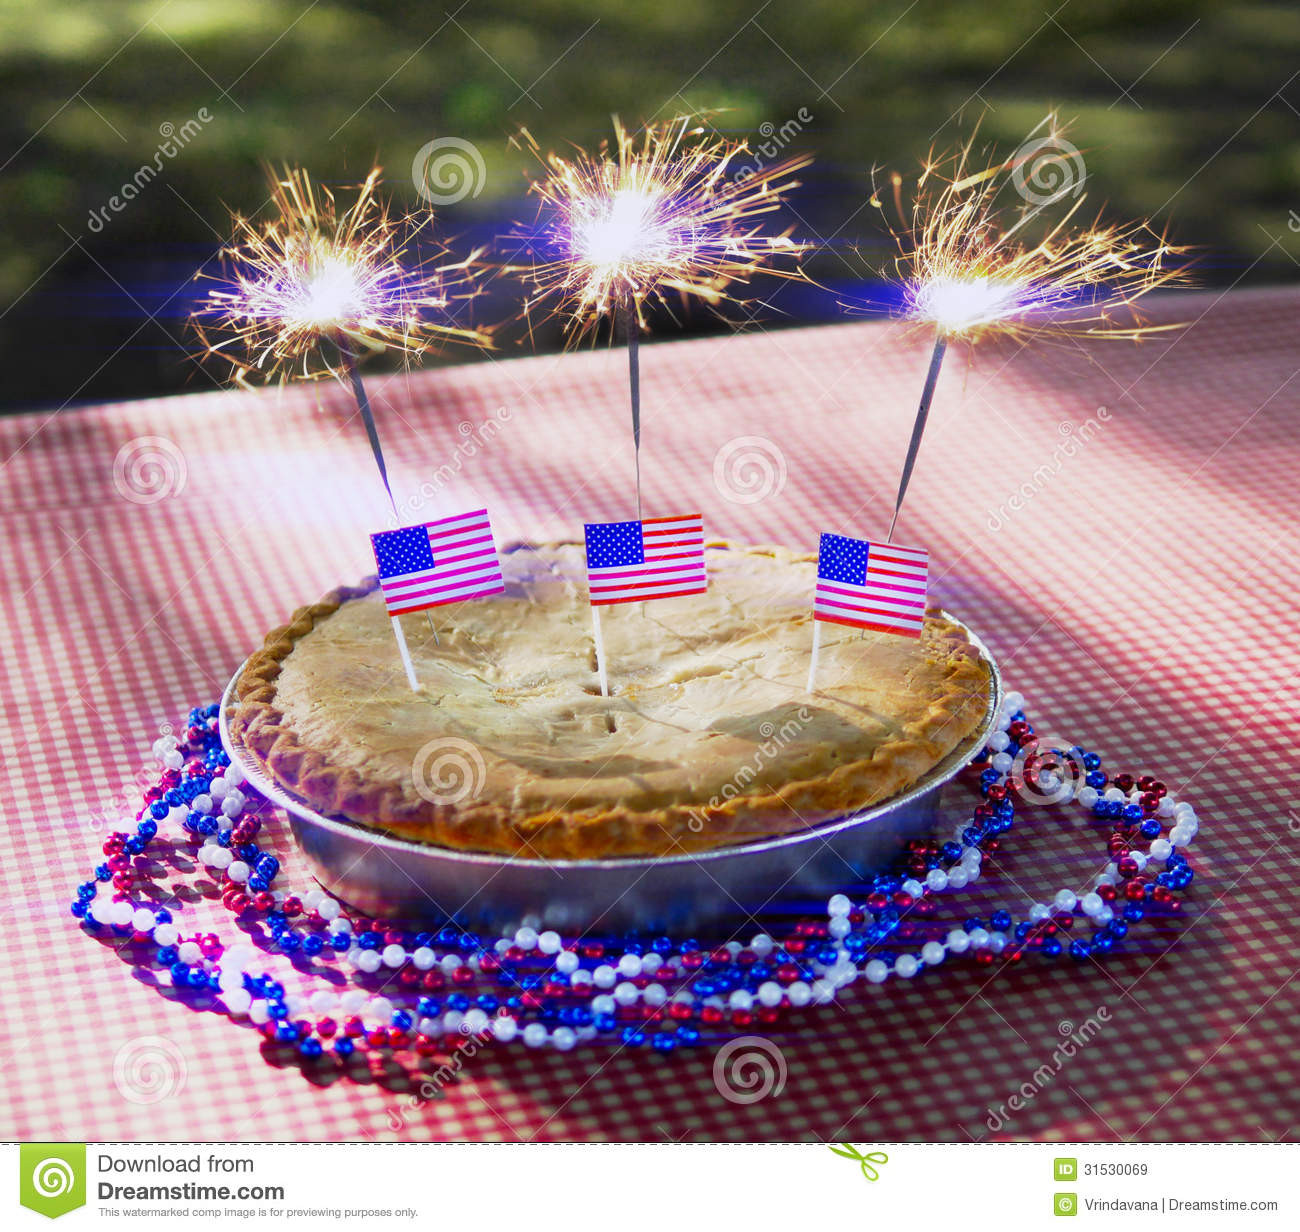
446,561
657,558
879,586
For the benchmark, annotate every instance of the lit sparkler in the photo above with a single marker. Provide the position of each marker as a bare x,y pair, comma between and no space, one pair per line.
310,290
670,209
972,264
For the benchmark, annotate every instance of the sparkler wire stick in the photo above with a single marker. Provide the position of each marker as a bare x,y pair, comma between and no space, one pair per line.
658,214
349,357
975,261
970,268
634,385
918,428
311,274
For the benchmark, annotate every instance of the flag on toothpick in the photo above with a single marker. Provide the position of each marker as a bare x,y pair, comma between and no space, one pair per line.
867,585
630,562
871,585
438,562
447,561
657,558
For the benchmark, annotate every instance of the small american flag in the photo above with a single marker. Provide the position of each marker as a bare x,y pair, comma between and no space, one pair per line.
654,559
869,585
438,562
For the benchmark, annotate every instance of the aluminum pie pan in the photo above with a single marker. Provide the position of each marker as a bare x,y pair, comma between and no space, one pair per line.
384,876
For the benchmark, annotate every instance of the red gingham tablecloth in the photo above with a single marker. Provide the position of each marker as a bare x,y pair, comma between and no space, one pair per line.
1118,521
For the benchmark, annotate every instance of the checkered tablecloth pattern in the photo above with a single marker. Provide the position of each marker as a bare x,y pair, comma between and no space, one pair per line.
1117,521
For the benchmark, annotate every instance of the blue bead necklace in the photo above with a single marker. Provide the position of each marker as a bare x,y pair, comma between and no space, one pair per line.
429,992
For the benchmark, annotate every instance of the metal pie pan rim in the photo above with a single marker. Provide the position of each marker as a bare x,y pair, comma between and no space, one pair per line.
940,773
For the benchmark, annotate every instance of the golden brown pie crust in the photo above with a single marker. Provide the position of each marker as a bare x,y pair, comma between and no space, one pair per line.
508,746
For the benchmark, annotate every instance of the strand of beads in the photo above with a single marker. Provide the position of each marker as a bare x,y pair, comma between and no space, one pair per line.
1138,808
414,989
853,940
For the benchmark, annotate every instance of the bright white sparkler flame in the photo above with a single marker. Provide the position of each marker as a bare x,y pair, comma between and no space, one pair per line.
626,231
296,282
659,212
959,305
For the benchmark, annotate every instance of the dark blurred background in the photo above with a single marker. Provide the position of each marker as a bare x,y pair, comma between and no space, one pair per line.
1186,111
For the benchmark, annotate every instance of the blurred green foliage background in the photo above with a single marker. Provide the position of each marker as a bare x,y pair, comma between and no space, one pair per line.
1186,110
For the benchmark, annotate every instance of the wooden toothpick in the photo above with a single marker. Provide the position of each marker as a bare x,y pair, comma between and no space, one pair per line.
405,652
816,650
600,653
